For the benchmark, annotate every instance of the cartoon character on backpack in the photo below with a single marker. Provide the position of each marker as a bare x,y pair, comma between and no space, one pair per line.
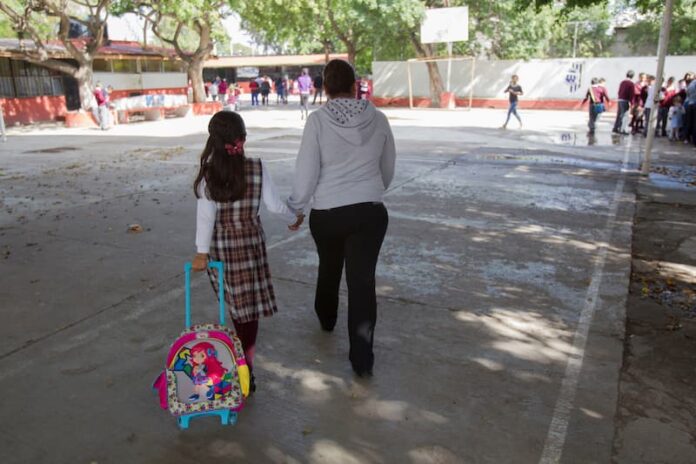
208,375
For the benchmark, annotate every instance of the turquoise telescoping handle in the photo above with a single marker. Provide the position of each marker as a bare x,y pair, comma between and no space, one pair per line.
221,289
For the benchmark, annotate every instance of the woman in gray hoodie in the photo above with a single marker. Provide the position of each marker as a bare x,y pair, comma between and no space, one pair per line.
345,164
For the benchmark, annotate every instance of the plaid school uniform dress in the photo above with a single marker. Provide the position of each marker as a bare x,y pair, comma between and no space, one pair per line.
239,242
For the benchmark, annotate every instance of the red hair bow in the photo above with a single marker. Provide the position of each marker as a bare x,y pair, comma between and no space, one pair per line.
235,148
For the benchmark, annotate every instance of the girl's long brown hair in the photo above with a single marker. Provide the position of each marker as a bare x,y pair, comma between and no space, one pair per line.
223,172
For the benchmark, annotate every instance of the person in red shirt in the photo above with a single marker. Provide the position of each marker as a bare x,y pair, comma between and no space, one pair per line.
597,95
668,93
626,91
638,103
254,88
101,112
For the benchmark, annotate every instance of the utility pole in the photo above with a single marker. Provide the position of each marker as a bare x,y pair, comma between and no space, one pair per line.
661,52
575,38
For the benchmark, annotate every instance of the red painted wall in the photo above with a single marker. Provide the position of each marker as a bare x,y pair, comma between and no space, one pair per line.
32,109
420,102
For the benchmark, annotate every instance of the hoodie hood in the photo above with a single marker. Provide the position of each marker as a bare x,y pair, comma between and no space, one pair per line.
350,118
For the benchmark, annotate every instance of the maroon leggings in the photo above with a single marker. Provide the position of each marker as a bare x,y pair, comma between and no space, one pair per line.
246,331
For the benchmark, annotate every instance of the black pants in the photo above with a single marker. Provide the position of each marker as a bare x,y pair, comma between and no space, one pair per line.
352,235
662,115
690,123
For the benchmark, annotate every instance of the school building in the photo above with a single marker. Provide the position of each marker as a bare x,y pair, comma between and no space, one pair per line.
243,69
31,93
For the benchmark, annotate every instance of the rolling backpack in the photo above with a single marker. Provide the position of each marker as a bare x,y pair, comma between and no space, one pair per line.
206,372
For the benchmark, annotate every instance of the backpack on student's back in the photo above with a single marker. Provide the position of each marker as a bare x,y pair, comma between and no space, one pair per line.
206,372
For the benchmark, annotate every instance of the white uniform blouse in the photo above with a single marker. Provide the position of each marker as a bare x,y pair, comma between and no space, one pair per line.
207,210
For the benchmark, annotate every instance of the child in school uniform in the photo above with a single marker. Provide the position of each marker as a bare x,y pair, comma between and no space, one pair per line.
229,188
676,118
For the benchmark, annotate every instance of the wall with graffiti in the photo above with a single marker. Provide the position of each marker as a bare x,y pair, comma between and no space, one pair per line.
553,83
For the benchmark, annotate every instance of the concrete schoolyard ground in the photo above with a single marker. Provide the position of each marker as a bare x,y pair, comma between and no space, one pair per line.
502,289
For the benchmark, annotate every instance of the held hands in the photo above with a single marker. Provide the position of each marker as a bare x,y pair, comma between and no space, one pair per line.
200,262
298,222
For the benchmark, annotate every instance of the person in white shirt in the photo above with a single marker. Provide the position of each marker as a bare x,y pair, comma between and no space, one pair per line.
649,104
230,187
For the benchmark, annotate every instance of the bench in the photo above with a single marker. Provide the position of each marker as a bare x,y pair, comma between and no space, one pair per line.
153,113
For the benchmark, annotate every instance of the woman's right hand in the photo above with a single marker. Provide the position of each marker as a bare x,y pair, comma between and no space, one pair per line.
200,262
296,225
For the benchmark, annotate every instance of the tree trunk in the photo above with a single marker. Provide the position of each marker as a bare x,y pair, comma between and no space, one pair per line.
84,77
195,75
326,52
351,53
436,86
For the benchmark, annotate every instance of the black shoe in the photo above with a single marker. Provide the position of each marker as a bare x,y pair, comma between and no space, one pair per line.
363,373
252,384
327,327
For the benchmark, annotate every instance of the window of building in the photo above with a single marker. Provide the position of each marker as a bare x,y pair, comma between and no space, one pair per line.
101,66
174,66
31,80
6,82
125,66
151,66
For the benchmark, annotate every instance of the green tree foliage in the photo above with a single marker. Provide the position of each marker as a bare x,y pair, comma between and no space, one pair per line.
191,27
33,19
356,27
645,33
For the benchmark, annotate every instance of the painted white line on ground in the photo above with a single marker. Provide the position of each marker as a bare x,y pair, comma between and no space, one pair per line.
278,160
283,151
558,429
195,162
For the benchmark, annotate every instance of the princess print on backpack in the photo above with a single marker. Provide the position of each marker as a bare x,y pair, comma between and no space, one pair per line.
210,379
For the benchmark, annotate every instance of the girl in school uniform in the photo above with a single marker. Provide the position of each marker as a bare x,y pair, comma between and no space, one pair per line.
229,188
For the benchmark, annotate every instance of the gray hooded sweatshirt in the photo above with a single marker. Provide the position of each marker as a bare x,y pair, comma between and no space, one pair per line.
347,156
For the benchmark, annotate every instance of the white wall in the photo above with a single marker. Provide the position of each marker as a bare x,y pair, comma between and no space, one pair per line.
540,79
124,81
163,80
119,81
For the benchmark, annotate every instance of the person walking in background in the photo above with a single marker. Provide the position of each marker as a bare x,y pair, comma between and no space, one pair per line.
689,126
229,189
108,90
364,89
265,88
222,90
649,103
345,163
638,103
318,84
514,90
668,93
3,129
280,90
254,89
101,110
304,86
676,118
598,98
625,97
215,89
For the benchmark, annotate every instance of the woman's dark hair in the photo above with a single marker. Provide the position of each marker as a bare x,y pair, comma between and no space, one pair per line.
222,166
594,81
339,77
